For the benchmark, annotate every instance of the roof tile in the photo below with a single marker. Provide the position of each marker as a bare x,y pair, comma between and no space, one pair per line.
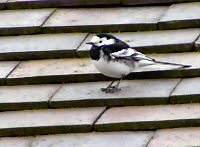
35,122
16,141
22,21
149,117
117,139
176,137
187,91
40,46
153,41
104,19
181,15
131,94
26,97
82,70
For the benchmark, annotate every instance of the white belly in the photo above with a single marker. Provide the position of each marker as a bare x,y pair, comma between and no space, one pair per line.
112,69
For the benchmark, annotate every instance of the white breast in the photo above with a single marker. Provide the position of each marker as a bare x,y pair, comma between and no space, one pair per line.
112,69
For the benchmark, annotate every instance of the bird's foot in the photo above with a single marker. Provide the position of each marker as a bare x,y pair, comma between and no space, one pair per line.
111,89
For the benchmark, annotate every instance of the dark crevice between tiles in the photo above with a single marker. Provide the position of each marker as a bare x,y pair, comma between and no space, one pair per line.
12,70
49,106
99,116
150,139
157,24
76,54
193,43
48,17
169,99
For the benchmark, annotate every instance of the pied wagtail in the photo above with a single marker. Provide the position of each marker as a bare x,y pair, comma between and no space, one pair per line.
115,58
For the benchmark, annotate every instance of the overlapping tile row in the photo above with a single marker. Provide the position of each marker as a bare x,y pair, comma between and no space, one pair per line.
26,97
162,137
27,47
153,92
149,117
82,70
48,121
77,120
182,15
69,45
23,21
118,139
124,19
35,21
104,19
166,41
131,94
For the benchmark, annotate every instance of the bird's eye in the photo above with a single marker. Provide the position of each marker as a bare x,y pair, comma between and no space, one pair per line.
100,41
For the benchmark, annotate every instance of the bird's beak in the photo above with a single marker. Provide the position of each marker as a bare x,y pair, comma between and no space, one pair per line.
91,43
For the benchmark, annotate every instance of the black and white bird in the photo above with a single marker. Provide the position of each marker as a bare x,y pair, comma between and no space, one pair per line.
115,58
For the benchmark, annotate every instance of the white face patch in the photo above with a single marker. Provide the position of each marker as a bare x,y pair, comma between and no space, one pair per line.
102,41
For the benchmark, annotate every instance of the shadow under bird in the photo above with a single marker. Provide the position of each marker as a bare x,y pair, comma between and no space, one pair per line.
115,58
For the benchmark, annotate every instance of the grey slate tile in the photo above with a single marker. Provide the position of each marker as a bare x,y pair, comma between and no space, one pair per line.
153,41
104,19
117,139
82,70
40,46
22,21
26,97
5,68
181,15
149,117
89,94
46,121
53,69
187,91
16,141
176,137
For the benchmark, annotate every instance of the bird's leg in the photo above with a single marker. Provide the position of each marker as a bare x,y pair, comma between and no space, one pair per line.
116,87
112,89
108,88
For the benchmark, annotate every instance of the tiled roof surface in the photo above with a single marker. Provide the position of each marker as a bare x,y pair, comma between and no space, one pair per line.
50,91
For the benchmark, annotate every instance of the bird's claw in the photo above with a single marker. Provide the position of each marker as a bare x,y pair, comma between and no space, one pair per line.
110,89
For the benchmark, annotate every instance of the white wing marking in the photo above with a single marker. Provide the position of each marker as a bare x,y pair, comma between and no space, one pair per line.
133,54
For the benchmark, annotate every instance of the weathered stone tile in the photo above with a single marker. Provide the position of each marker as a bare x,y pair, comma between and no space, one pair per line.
16,4
22,21
53,69
197,44
47,121
176,137
82,70
153,41
117,139
5,68
26,97
181,15
16,141
39,46
149,117
152,92
187,91
109,19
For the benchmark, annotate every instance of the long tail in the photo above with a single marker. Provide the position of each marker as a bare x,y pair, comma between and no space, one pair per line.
175,64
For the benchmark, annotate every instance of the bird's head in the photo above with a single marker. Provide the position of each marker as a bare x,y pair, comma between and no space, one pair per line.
102,39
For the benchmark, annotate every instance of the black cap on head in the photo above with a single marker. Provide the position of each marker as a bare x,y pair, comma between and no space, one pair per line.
108,36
